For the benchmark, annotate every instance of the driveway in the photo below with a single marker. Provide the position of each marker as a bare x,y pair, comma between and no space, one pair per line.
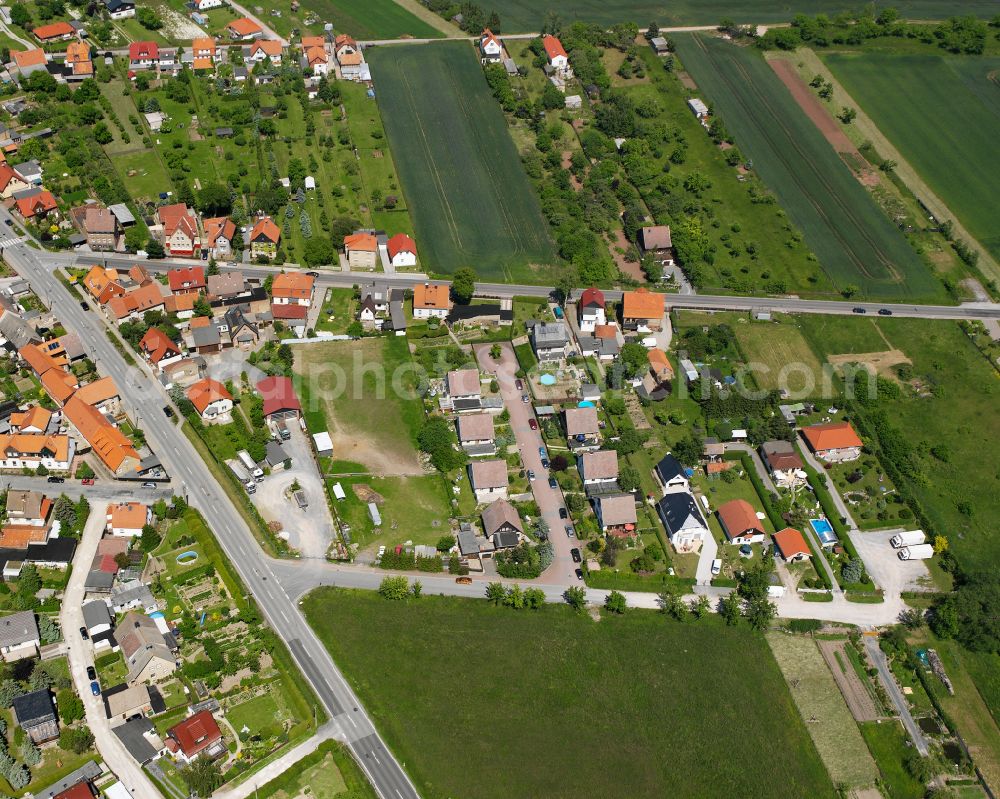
311,529
81,655
709,552
562,570
890,573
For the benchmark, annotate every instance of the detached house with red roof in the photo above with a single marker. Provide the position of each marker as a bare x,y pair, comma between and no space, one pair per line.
292,288
212,401
186,280
557,56
642,311
361,250
792,545
219,234
280,401
402,251
490,48
37,206
349,57
244,29
158,349
143,55
55,32
264,238
180,229
835,442
197,735
28,61
740,523
590,310
78,65
431,299
203,48
260,50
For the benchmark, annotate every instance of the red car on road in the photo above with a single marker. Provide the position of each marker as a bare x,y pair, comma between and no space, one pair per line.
87,481
532,424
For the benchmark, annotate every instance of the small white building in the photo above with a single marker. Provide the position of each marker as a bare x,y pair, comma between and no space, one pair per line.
698,108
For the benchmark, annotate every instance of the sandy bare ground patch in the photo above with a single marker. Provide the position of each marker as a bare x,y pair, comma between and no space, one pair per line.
356,447
859,701
630,268
367,494
880,362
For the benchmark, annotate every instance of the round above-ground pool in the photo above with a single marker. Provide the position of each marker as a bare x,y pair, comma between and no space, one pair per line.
187,557
547,379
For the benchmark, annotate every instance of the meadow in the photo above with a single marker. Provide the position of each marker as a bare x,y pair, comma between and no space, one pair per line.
480,701
472,202
855,242
780,355
373,19
956,148
526,15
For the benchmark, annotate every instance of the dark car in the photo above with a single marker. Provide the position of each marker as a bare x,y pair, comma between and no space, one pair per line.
575,553
531,474
563,514
532,424
859,309
84,634
9,222
91,673
553,483
85,305
54,479
579,574
313,274
545,463
519,384
884,312
95,687
168,411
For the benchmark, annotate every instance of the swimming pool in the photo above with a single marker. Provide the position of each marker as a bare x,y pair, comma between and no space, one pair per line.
821,526
547,380
586,404
187,557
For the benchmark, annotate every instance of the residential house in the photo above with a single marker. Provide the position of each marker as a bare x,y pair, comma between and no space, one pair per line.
158,349
590,310
740,523
187,280
207,5
196,735
361,250
19,636
642,311
791,545
143,55
31,171
120,9
204,336
97,617
212,401
557,56
147,653
490,48
35,419
316,59
244,29
33,450
489,480
603,344
374,306
656,241
599,471
264,238
219,233
180,229
500,518
35,713
133,595
54,32
109,443
11,181
476,434
128,518
135,303
616,514
431,300
29,61
348,56
583,431
834,442
139,736
280,401
402,251
261,50
121,705
671,475
203,48
228,285
183,372
37,206
783,463
464,390
26,507
657,381
550,341
77,64
101,228
292,288
102,394
682,519
242,326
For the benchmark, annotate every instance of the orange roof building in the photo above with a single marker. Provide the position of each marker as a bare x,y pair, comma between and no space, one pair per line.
128,518
243,28
78,57
25,59
791,544
834,441
103,284
59,385
210,398
157,347
554,49
292,288
265,229
271,48
642,310
56,30
99,392
19,536
38,359
110,444
203,48
659,364
431,300
312,41
366,242
34,420
740,523
136,302
38,205
31,450
402,250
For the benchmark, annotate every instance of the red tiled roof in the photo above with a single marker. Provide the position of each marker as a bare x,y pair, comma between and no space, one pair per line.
8,174
791,542
401,243
205,392
737,517
289,310
278,394
292,286
187,277
39,205
265,228
642,304
553,47
592,296
219,226
364,242
54,30
141,51
835,435
196,733
29,58
244,26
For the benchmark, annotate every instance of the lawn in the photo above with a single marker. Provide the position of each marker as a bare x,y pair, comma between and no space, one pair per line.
338,311
887,742
855,241
527,15
260,715
325,773
778,356
819,700
472,202
363,392
957,149
648,699
374,19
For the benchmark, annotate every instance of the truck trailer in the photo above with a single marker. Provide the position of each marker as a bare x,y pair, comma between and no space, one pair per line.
908,539
251,465
917,552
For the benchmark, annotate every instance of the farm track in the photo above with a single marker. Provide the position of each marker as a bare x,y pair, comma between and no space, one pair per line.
859,700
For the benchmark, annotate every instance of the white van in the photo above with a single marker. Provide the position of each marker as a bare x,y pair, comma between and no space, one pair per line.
716,567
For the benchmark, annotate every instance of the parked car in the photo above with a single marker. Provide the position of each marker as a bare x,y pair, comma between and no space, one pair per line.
531,474
545,463
575,554
463,580
552,483
149,485
54,479
884,312
519,384
569,531
563,514
542,453
859,310
91,673
579,574
716,566
87,481
525,399
84,634
313,274
9,222
533,424
95,688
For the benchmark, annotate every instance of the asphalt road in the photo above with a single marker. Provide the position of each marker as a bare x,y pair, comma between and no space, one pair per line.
195,482
101,491
968,310
892,688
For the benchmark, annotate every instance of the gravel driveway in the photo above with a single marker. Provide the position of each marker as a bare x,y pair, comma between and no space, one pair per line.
890,573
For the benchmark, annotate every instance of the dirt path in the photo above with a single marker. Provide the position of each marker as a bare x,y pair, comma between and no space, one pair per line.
859,701
864,129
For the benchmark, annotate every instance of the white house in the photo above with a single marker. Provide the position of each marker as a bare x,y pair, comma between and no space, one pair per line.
128,518
599,469
556,54
19,636
402,251
464,390
590,310
211,399
783,463
671,476
205,5
490,49
489,480
33,450
683,521
431,300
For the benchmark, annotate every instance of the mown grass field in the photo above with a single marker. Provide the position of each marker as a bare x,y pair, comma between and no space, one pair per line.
526,15
372,19
483,702
957,147
855,242
779,355
888,744
472,203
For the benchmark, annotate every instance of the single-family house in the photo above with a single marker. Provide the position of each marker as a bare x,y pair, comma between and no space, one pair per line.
135,303
292,288
219,234
834,442
133,595
187,280
26,507
599,471
550,341
490,48
655,240
242,326
642,311
228,285
180,229
740,523
374,306
121,705
671,475
348,56
361,250
590,309
158,349
464,390
476,434
557,56
54,32
212,401
583,431
489,480
316,59
11,181
128,518
280,401
244,29
203,48
402,251
19,636
97,617
34,450
101,228
35,713
683,521
197,735
77,64
147,654
501,518
139,737
264,238
261,50
657,381
431,300
29,61
783,463
616,514
791,545
120,9
143,55
38,205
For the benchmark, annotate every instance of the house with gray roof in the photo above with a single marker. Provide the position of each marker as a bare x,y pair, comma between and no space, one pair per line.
501,517
140,739
616,514
97,617
682,518
599,471
133,595
489,480
550,340
476,434
35,713
19,636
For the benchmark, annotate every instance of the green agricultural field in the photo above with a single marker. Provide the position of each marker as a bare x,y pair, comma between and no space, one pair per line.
780,356
957,148
628,706
855,242
526,15
372,19
888,742
472,203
